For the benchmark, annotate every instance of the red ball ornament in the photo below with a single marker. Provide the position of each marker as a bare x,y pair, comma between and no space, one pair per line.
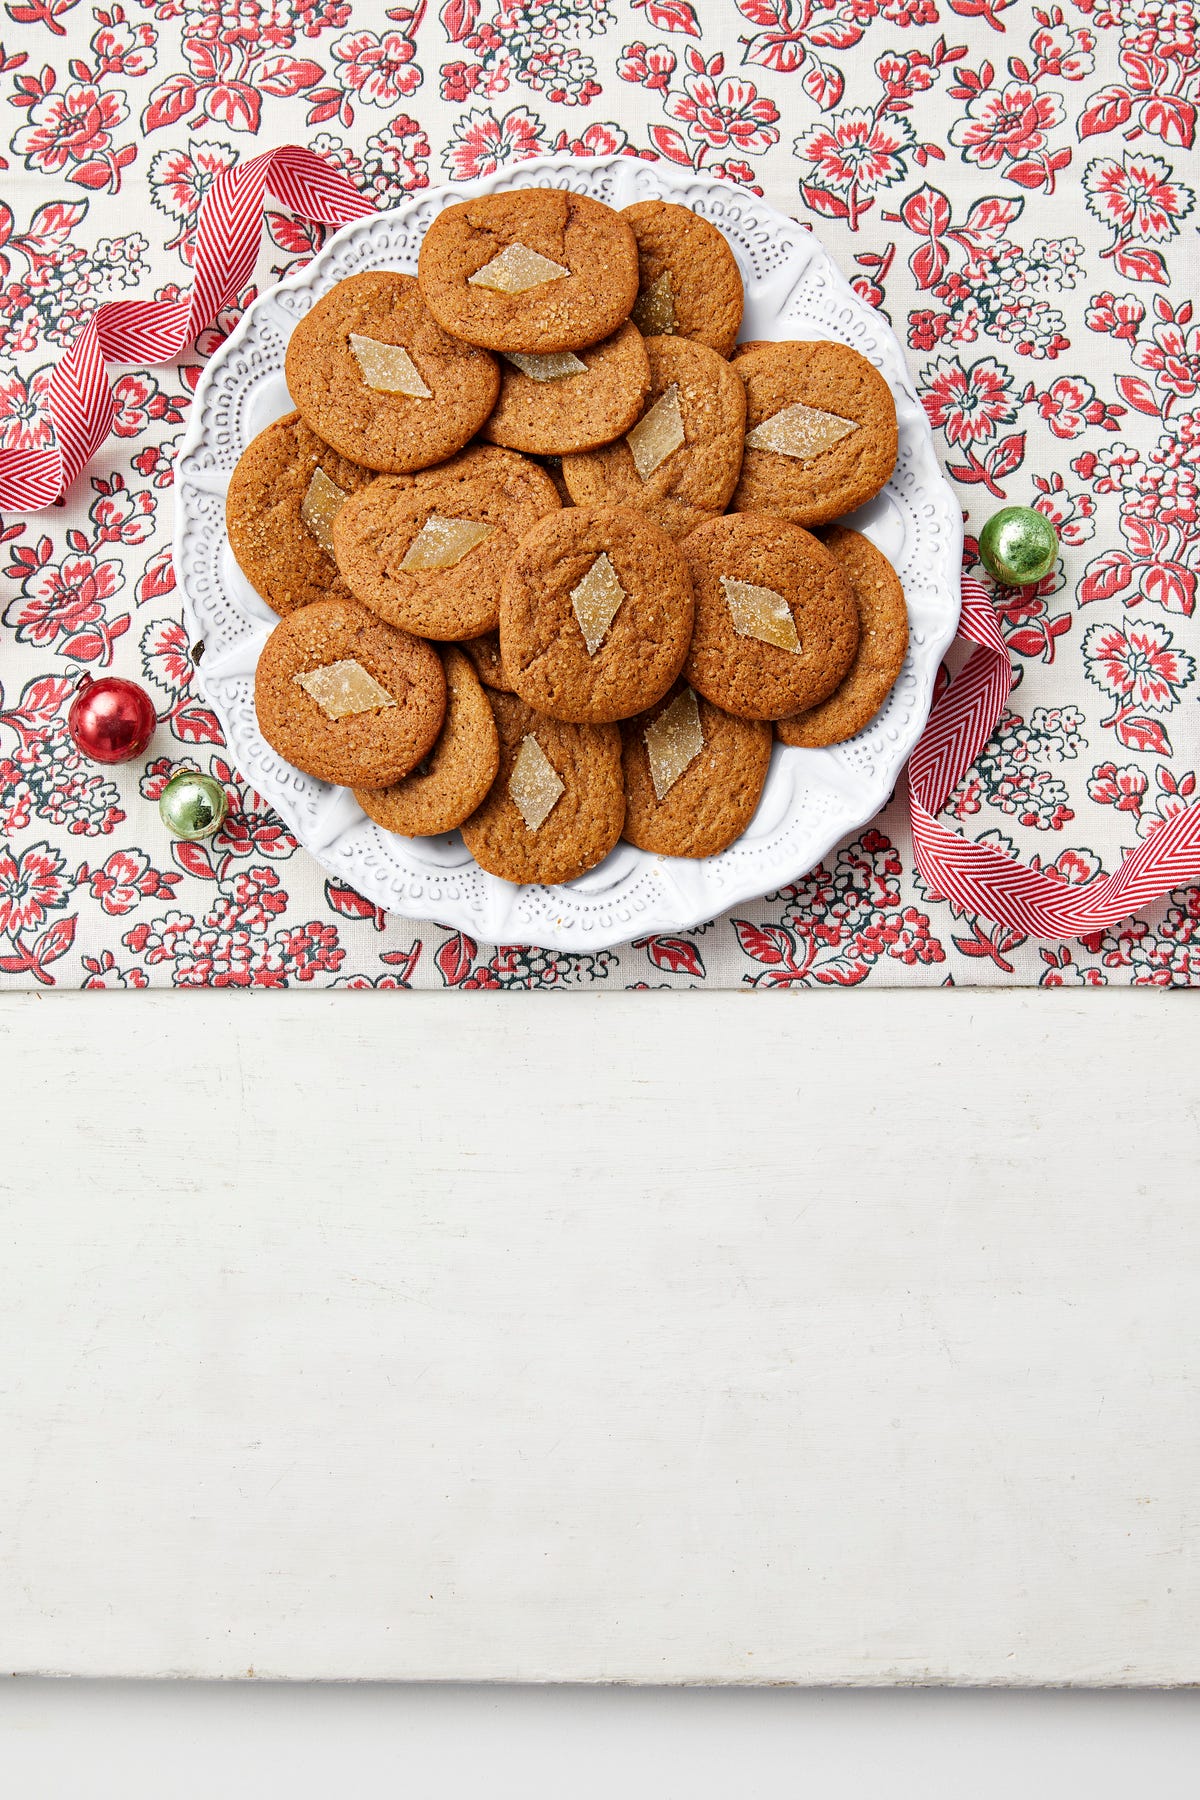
111,720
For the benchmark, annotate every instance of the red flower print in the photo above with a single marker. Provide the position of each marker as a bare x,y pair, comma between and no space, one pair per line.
1137,196
124,49
63,597
380,70
722,114
179,180
24,421
30,887
1071,405
1010,123
968,403
1173,359
1138,664
855,149
600,139
649,67
1062,52
69,127
1122,786
1116,317
126,878
483,143
139,400
396,160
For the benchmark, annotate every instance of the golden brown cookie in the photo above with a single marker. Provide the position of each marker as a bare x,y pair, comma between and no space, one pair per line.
447,786
567,780
882,646
572,400
484,653
346,698
553,468
536,269
279,513
595,614
428,551
693,775
689,284
680,462
775,617
373,373
820,431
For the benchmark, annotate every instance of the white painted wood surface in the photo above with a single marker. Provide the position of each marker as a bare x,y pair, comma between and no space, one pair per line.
811,1338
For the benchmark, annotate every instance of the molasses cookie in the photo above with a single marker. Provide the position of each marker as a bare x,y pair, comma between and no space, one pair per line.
595,614
882,646
688,282
346,698
484,652
447,786
428,551
693,775
557,804
820,431
571,399
534,270
279,513
775,617
373,373
679,464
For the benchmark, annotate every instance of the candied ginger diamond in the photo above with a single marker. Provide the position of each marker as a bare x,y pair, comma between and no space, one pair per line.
657,433
555,366
800,431
515,269
535,784
388,368
442,542
673,742
759,612
341,689
654,310
597,601
322,501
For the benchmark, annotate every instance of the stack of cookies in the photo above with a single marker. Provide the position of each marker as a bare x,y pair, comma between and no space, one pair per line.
541,536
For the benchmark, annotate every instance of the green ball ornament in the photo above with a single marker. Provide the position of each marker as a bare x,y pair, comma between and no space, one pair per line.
193,806
1018,546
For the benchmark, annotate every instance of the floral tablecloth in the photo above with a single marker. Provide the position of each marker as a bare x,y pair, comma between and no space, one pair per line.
1008,182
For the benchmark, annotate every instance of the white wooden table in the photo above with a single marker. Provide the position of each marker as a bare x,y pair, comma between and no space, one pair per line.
831,1337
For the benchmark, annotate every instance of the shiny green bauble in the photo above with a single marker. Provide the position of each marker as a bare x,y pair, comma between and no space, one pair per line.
1018,546
192,805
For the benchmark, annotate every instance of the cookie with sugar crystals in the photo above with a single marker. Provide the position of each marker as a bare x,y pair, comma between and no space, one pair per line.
679,464
532,270
693,775
821,434
775,617
373,373
346,698
882,646
484,652
557,805
571,399
279,511
595,615
428,551
689,284
449,783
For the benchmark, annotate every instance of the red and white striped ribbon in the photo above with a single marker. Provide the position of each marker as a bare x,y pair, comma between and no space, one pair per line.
977,877
982,879
157,331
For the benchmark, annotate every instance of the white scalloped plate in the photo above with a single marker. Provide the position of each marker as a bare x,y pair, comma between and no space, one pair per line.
812,798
